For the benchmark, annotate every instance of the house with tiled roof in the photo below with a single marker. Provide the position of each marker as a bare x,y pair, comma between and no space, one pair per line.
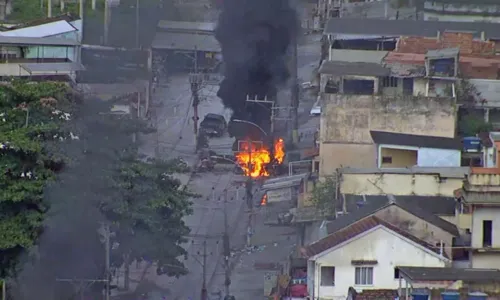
365,255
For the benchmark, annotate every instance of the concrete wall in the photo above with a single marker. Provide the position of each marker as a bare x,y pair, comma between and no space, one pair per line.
380,244
462,221
335,155
479,214
416,226
462,12
348,119
486,260
399,184
400,158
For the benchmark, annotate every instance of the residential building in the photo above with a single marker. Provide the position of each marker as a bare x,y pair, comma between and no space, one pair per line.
22,56
361,92
481,192
365,255
184,43
398,150
461,10
418,181
484,282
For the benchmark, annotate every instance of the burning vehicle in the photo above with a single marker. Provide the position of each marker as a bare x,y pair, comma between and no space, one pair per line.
257,160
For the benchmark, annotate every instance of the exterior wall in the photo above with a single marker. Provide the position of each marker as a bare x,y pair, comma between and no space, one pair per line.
416,226
485,213
429,157
380,244
52,52
401,158
461,12
336,155
348,119
12,70
462,221
486,260
419,86
399,184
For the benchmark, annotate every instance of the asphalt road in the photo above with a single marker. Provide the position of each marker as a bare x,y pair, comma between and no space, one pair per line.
172,114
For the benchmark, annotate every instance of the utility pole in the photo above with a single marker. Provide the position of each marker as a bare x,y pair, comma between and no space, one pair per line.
107,245
4,289
204,294
294,91
227,247
137,24
49,9
196,81
82,7
106,21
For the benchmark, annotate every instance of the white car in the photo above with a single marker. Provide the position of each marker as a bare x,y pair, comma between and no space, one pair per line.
316,109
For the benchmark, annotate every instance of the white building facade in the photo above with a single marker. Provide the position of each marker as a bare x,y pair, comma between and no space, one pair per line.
367,261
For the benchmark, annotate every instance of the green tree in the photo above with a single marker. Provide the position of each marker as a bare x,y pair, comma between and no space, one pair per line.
323,195
32,118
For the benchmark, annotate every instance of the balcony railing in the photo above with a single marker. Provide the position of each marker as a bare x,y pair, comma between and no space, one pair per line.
33,60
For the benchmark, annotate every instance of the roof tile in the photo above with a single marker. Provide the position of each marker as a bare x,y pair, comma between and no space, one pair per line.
356,229
464,41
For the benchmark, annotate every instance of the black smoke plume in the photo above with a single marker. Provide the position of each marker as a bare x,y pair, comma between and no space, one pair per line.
254,36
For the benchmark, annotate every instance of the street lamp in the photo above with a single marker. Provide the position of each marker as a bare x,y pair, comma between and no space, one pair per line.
251,123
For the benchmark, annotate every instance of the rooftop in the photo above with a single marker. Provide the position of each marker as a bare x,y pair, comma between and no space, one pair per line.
438,205
365,56
369,209
383,27
37,41
450,274
412,140
463,41
186,41
42,30
186,26
355,229
283,182
444,172
342,68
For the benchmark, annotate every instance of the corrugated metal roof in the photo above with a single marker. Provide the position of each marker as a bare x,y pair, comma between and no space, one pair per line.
367,26
445,172
186,26
489,91
37,41
52,67
43,30
366,56
283,182
186,41
342,68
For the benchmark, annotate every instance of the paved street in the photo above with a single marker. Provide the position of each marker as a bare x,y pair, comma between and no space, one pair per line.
172,113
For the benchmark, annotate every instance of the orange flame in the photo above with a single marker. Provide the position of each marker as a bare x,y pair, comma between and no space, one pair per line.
253,157
263,201
279,150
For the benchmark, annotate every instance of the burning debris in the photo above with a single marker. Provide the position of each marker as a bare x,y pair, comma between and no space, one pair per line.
255,159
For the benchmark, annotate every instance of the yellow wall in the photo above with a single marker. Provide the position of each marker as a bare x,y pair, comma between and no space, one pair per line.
346,122
349,118
486,260
400,158
399,184
462,221
333,156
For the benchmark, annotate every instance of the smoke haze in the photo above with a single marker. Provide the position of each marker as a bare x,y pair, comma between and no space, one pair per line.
254,37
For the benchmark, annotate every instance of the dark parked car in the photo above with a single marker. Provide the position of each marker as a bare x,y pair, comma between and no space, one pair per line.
214,125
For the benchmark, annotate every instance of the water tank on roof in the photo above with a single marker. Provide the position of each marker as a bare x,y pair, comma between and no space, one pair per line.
450,296
471,144
420,295
477,296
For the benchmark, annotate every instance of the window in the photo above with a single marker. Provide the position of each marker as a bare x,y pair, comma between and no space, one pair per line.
327,276
386,160
396,273
363,276
390,81
487,233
